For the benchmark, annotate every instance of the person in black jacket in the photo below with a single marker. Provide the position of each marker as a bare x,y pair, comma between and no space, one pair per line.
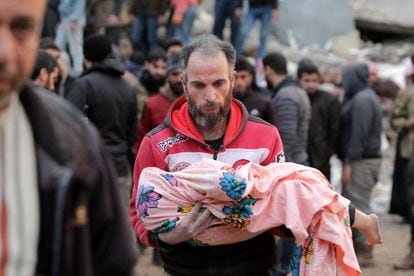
324,126
407,263
60,210
360,146
45,71
109,103
256,101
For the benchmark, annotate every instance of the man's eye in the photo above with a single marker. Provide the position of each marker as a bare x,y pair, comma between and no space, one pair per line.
22,27
219,83
198,85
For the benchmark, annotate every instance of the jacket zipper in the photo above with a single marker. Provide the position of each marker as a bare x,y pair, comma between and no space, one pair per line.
215,153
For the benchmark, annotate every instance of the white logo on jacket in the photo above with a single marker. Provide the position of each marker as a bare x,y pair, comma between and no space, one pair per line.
171,141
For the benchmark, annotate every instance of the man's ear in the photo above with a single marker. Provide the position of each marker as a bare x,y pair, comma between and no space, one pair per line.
43,75
233,77
183,84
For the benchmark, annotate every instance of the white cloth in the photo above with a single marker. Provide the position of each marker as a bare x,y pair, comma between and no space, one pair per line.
18,192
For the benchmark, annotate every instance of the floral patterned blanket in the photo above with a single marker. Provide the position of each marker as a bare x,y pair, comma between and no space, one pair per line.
253,199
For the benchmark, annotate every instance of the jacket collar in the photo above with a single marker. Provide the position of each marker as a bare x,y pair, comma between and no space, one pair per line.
288,81
180,120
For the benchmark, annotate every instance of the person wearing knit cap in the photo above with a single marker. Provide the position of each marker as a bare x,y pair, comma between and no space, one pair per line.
157,106
107,100
96,47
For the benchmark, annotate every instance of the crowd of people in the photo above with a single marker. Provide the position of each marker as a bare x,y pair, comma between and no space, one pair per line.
89,101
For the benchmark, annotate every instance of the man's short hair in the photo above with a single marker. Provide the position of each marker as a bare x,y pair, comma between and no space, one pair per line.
277,62
48,43
306,66
43,60
242,64
156,54
172,42
173,62
209,45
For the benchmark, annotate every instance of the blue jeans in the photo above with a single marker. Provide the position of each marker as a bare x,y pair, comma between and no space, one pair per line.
264,15
145,24
73,39
184,30
223,10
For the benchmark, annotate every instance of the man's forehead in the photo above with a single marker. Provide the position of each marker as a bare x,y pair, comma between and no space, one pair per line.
310,75
11,9
157,62
243,73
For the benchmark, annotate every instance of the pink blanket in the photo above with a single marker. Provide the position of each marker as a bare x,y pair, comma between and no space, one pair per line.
250,200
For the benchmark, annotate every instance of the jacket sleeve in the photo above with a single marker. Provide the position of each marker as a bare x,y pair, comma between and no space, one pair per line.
180,7
270,113
286,122
400,114
334,128
78,96
110,229
132,126
146,157
144,124
362,116
164,6
276,153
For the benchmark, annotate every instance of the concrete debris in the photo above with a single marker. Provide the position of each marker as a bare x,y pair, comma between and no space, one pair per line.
394,16
313,21
325,31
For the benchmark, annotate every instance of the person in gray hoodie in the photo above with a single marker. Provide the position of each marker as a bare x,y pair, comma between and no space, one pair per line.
360,146
292,108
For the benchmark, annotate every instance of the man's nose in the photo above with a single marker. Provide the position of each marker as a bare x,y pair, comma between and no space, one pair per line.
209,93
6,45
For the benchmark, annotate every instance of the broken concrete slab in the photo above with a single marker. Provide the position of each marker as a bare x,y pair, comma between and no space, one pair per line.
313,21
394,16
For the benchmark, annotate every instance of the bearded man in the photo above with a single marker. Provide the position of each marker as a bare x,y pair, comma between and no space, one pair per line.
207,123
157,106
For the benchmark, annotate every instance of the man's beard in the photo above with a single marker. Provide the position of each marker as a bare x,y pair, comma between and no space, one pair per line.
177,88
269,84
209,121
15,81
151,83
240,95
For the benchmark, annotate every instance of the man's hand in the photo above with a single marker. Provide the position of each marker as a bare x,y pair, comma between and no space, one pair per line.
192,225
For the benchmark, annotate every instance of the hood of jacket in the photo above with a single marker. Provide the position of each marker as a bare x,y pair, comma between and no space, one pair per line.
354,79
179,118
109,66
